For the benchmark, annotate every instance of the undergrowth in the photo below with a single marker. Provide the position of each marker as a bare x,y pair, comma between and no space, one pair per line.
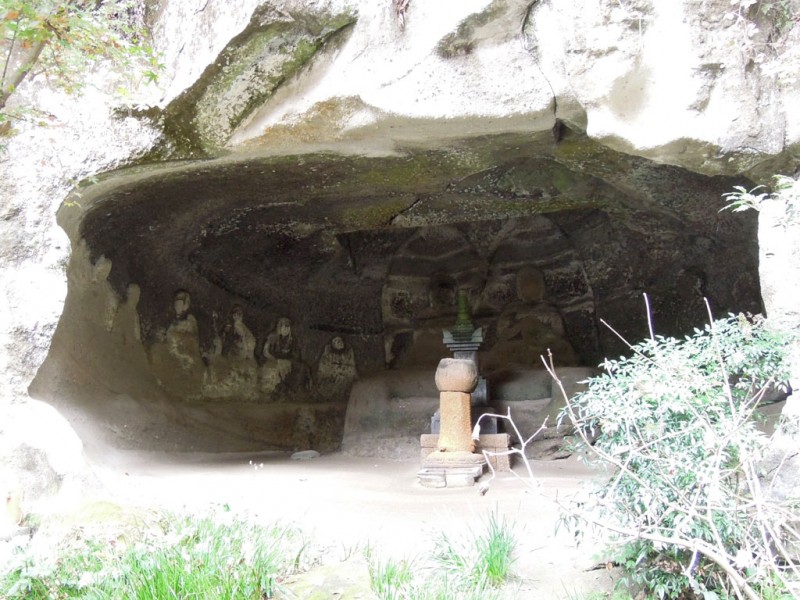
223,556
685,499
218,556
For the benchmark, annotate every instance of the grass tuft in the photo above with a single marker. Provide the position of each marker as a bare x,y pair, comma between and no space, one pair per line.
389,579
484,559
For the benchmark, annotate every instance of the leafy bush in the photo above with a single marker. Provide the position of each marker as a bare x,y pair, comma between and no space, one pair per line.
63,39
683,497
786,190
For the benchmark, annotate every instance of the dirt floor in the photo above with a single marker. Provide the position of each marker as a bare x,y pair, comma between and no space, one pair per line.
345,503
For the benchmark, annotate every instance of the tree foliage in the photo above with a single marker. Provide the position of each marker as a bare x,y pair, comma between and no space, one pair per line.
63,39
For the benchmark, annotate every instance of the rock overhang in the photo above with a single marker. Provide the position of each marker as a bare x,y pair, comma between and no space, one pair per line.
550,234
267,230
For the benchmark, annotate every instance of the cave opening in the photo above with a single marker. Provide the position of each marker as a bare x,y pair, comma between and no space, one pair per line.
248,303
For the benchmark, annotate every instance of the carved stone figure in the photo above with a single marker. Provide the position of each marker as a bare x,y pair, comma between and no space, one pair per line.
280,343
527,328
282,365
238,342
182,335
336,370
232,362
176,359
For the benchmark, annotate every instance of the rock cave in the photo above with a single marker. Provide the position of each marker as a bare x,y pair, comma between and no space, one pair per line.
238,304
251,247
270,259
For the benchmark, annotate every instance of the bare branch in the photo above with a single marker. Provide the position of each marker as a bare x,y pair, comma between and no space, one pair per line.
649,314
520,451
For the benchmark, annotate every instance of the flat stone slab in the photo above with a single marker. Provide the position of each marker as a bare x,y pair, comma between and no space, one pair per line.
432,478
440,477
454,460
497,444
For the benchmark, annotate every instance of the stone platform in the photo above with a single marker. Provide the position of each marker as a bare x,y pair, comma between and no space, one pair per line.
440,477
495,442
451,469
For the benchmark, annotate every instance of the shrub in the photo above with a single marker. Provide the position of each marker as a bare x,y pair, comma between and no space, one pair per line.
683,498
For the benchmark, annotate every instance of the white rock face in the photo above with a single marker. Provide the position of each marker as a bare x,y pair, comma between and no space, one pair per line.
386,72
690,83
680,82
454,70
190,34
686,82
779,271
37,169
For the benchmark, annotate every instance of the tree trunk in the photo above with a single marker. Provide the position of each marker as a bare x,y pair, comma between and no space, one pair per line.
17,68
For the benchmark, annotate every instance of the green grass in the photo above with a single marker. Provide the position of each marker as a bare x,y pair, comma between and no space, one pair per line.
110,554
218,556
390,579
412,579
484,558
473,566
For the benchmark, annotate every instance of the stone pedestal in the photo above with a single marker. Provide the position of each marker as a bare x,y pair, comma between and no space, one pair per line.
454,463
451,469
455,430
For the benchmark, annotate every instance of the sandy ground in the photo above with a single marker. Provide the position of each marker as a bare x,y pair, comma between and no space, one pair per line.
345,503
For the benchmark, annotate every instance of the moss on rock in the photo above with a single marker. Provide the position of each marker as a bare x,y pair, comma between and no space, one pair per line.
272,49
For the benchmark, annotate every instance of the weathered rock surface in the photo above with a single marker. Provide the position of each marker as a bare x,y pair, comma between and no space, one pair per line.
556,159
346,580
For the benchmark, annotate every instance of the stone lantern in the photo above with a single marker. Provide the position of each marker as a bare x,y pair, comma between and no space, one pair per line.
464,340
454,462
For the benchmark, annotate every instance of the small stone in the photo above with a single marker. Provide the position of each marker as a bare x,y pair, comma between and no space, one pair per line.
305,455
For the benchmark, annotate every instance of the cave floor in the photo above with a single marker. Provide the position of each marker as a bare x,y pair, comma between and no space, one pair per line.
344,503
